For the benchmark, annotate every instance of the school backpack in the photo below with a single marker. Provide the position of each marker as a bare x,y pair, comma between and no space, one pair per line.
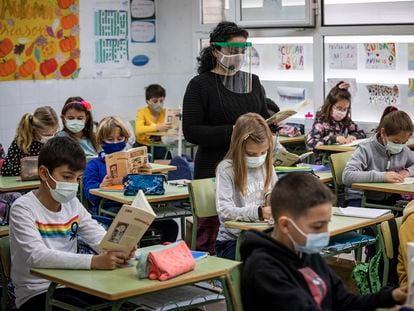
6,201
185,168
366,277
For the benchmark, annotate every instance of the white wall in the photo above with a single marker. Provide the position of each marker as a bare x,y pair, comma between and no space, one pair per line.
110,96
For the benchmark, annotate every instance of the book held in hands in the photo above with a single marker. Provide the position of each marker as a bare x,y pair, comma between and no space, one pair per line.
286,113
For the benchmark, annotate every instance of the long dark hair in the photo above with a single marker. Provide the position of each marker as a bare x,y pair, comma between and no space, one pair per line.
223,32
76,103
337,93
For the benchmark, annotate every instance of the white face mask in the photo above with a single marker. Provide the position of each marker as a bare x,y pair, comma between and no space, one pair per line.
75,126
231,62
64,191
315,242
394,148
338,115
253,162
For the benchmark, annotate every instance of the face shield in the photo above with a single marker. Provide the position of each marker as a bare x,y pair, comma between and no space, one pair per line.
234,61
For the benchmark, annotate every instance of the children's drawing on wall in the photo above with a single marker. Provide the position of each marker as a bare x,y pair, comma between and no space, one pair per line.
380,55
353,88
343,55
39,40
290,57
410,56
382,95
411,91
290,95
143,21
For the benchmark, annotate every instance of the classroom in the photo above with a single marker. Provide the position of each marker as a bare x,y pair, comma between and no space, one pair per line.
206,155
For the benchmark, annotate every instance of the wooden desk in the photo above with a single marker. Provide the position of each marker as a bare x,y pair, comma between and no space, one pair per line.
172,193
288,140
121,284
13,183
4,230
162,168
385,187
325,176
335,148
338,224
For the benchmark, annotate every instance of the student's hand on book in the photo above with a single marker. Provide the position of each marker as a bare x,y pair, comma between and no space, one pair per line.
266,212
132,253
107,181
341,140
393,177
400,294
108,260
404,173
163,127
350,139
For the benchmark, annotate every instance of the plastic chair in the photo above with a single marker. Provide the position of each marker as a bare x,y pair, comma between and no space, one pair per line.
5,266
202,194
337,163
389,242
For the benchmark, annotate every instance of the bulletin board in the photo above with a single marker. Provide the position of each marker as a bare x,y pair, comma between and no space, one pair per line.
39,40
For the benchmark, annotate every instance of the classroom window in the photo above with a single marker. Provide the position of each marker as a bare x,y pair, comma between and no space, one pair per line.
214,11
368,12
378,69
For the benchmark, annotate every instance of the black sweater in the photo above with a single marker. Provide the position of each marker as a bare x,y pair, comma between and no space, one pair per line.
209,113
272,280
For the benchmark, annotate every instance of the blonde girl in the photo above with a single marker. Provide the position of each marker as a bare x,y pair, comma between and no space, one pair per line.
33,131
244,179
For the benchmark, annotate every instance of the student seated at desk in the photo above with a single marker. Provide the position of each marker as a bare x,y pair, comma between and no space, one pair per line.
244,179
33,131
112,134
45,224
383,158
284,270
333,123
78,123
406,234
151,119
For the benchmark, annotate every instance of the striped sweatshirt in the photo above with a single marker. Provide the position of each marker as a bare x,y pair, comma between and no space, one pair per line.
40,238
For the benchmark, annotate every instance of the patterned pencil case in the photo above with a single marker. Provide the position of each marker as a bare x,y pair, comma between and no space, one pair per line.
150,184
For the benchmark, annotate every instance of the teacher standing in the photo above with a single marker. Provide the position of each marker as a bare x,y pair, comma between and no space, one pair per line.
223,90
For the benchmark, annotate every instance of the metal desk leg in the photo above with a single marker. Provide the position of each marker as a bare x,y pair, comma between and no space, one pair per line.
101,205
49,296
183,228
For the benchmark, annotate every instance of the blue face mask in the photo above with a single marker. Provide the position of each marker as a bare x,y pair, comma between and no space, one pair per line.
394,148
109,148
315,242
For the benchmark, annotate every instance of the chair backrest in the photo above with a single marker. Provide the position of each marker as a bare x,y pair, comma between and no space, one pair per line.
338,162
389,241
203,197
5,257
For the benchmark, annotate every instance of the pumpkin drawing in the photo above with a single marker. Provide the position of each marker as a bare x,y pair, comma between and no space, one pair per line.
64,4
7,68
68,68
69,21
49,50
67,44
6,46
27,68
48,66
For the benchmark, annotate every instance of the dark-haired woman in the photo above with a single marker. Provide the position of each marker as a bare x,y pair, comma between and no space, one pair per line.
78,123
333,123
213,101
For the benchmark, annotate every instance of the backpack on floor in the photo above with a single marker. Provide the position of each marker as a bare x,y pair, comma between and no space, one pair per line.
185,168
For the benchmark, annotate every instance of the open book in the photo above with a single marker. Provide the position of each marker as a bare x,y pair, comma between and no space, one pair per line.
172,117
285,158
356,142
360,212
122,163
286,113
129,225
407,181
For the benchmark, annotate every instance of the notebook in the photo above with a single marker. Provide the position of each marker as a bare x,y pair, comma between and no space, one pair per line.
356,142
361,212
407,181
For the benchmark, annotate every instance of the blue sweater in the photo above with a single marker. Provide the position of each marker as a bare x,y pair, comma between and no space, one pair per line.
94,173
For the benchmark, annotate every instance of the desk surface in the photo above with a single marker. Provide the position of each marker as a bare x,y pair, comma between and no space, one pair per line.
124,283
335,148
287,140
162,168
338,224
325,176
13,183
172,193
385,187
4,230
